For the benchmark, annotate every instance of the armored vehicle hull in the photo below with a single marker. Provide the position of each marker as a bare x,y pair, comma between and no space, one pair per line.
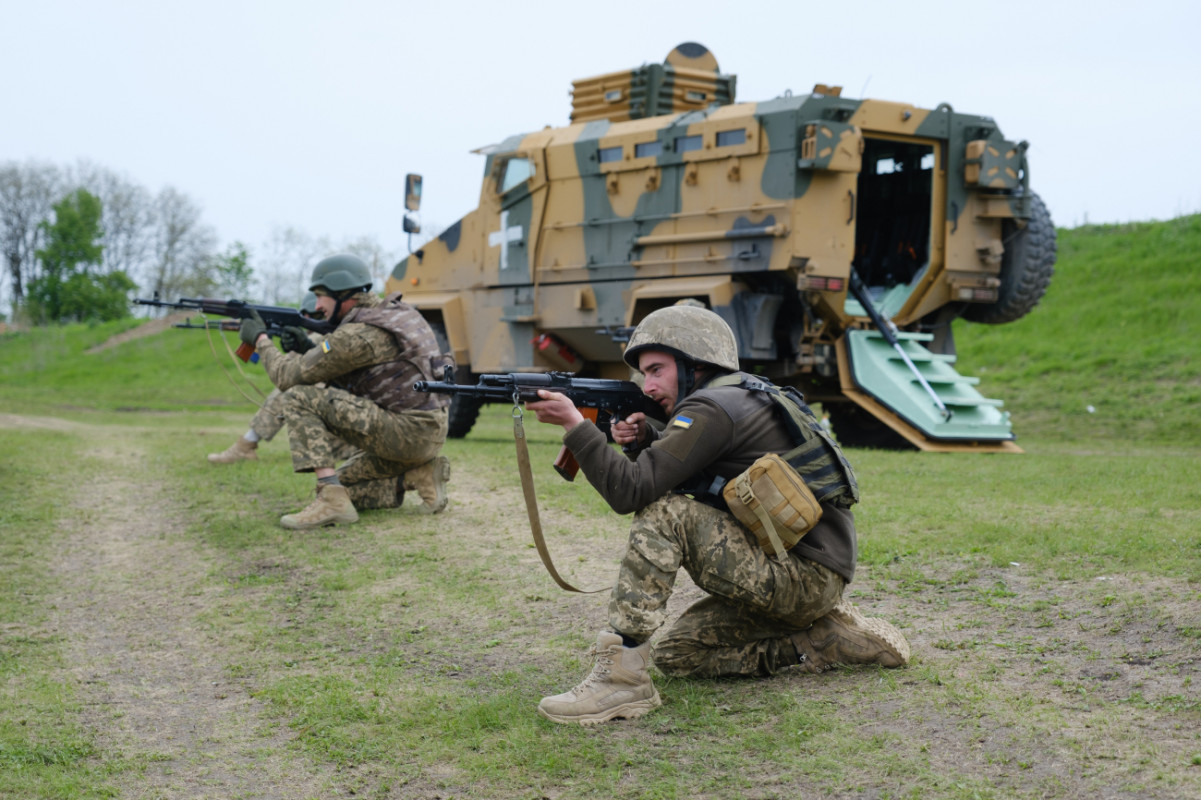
663,189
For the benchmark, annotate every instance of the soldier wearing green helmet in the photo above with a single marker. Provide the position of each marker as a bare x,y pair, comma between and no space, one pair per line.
269,419
356,386
764,611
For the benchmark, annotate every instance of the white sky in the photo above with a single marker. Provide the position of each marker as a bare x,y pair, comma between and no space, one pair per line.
303,113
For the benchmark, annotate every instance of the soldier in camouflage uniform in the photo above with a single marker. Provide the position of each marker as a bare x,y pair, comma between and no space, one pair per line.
369,364
269,419
762,614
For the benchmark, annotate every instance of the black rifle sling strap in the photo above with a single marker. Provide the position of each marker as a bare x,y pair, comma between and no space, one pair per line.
531,505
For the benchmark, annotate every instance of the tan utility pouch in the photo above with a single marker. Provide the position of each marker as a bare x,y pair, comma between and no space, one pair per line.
772,500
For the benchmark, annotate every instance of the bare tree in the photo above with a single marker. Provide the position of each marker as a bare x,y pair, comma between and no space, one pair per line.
27,196
183,247
287,263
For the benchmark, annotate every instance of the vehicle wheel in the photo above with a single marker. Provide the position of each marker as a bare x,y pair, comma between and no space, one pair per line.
463,411
855,427
1026,268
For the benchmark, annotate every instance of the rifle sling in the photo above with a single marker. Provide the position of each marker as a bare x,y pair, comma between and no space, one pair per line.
531,506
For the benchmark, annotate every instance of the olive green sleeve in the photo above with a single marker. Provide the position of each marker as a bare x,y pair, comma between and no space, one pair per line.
696,436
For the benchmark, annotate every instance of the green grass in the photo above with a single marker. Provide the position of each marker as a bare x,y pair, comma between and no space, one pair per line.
1052,596
1118,330
45,750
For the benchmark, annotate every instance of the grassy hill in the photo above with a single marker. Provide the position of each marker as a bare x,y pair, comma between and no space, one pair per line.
1119,330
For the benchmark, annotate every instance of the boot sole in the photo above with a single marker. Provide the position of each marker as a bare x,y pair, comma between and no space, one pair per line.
344,520
891,639
624,711
884,633
441,478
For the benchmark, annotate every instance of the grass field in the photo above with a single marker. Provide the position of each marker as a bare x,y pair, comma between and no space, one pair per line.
161,636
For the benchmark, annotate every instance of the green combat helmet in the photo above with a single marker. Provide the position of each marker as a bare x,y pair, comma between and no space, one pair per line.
697,334
341,273
308,306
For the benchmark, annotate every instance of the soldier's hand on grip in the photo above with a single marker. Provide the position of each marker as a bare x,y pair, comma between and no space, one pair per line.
631,430
294,339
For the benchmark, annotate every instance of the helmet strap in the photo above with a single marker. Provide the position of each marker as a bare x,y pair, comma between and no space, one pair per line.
685,378
339,299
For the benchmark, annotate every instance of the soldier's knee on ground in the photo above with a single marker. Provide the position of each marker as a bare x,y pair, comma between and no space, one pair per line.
383,493
676,659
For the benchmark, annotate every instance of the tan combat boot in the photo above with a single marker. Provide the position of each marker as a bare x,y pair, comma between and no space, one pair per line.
429,481
241,450
845,636
619,686
331,507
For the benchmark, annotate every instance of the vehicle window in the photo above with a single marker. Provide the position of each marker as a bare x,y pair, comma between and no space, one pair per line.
726,138
644,149
517,171
686,143
607,154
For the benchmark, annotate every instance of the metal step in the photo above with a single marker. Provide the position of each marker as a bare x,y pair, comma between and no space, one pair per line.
879,371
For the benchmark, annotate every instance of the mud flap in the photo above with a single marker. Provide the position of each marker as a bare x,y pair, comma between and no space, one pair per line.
878,379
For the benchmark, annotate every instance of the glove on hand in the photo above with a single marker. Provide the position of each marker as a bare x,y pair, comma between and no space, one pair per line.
252,328
295,339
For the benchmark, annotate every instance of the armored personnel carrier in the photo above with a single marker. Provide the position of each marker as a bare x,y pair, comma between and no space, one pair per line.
839,238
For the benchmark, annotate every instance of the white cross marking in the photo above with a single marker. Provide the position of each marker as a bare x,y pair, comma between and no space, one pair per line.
503,236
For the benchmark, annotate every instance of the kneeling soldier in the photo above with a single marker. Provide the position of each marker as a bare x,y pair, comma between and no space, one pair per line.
368,366
764,611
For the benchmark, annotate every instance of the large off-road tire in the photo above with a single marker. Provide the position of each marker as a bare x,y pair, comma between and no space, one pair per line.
1026,268
463,411
855,427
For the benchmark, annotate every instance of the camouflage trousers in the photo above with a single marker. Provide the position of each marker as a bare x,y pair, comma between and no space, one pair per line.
754,602
270,417
268,420
387,443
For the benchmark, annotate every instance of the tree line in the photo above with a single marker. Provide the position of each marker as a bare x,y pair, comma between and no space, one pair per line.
79,241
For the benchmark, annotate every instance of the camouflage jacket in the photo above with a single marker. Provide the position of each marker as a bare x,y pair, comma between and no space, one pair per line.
379,350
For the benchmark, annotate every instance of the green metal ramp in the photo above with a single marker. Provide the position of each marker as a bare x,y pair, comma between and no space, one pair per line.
878,370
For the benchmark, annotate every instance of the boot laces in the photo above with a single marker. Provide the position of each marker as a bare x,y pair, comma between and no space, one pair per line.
601,668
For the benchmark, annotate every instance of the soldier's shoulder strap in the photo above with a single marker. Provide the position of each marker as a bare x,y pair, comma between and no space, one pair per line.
816,457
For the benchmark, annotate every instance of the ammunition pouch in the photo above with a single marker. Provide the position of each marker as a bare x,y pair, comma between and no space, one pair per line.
774,503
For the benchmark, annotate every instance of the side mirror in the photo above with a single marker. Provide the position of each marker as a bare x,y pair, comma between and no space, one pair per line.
412,192
411,225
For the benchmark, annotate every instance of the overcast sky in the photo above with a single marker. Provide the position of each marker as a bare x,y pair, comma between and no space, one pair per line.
308,114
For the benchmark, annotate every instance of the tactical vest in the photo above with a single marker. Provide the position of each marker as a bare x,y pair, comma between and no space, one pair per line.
390,384
816,457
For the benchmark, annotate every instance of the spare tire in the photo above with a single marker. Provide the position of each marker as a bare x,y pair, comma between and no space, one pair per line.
1026,268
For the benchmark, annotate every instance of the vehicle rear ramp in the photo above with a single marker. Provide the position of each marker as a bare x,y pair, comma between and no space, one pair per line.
876,377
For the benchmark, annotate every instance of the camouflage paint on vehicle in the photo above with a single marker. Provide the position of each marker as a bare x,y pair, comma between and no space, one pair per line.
664,188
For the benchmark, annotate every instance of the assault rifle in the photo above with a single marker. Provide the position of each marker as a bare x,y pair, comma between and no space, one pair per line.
598,399
276,318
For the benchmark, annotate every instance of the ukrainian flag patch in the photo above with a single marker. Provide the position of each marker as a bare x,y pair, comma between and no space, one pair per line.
325,346
682,422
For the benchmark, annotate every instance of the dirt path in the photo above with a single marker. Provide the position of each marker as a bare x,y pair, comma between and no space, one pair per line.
152,681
